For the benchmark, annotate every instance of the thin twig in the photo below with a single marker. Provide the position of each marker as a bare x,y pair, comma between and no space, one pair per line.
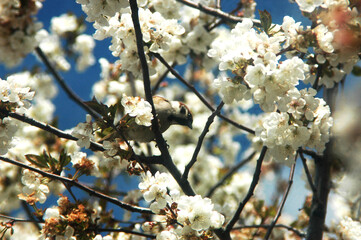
69,190
161,79
57,132
125,231
256,175
312,154
284,198
221,21
200,140
13,219
83,187
200,96
30,215
308,174
217,12
301,234
230,174
62,83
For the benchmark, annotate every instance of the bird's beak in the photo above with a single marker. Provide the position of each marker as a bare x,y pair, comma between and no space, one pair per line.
190,124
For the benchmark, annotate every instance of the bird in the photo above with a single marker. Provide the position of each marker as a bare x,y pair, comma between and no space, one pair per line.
168,113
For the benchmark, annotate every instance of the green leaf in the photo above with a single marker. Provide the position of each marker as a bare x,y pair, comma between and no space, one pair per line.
356,70
64,159
37,160
266,20
97,106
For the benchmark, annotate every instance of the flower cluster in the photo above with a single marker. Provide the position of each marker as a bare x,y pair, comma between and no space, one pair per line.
350,229
158,33
336,36
7,132
255,65
304,121
13,95
194,213
17,30
84,132
138,108
67,221
34,189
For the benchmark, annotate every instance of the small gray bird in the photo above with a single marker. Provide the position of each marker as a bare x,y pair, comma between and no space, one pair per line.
168,113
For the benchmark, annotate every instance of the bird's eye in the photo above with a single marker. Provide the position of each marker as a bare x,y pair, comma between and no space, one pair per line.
183,110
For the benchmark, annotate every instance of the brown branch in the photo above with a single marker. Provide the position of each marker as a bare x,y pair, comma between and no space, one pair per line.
161,79
276,226
308,174
200,141
57,132
125,231
229,174
83,187
62,83
312,154
13,219
217,12
30,214
256,175
285,195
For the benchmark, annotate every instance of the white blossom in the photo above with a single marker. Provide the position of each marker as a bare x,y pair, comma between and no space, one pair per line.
198,212
155,188
34,186
84,132
138,108
84,45
350,229
64,23
309,5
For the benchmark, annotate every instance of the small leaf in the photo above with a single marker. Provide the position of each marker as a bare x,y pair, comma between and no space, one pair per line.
97,106
64,159
36,160
356,70
266,20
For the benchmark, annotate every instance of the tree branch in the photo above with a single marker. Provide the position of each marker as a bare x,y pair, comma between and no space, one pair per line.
217,12
125,231
13,219
311,154
62,83
308,174
285,195
57,132
257,173
83,187
160,80
276,226
200,141
229,174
